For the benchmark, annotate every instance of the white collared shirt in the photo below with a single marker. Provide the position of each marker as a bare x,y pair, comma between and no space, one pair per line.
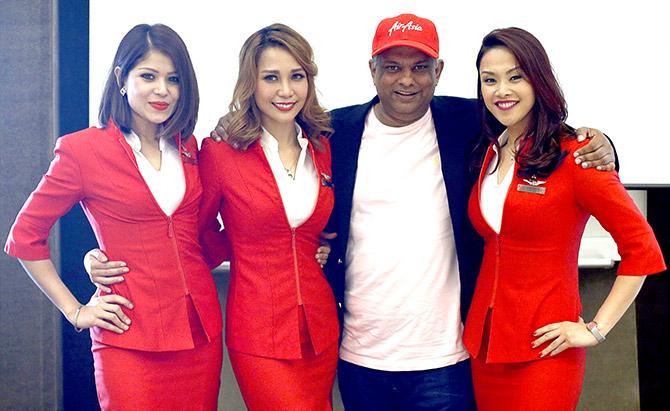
493,195
299,194
168,184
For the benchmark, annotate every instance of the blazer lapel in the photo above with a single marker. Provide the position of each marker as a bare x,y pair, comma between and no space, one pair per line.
453,156
345,149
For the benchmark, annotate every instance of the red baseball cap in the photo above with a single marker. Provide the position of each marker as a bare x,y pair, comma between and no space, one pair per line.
406,30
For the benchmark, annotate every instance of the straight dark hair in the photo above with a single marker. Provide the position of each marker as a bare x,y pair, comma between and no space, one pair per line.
539,151
134,47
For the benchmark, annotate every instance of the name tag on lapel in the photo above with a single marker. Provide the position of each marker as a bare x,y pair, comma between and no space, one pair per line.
533,186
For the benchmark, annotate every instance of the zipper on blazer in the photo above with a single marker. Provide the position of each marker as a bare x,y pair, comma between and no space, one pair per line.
495,272
171,235
295,266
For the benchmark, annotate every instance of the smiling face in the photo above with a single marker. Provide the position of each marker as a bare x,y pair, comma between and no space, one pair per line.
281,88
152,91
405,79
507,93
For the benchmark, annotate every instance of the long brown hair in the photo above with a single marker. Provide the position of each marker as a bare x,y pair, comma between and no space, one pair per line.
134,46
245,121
539,151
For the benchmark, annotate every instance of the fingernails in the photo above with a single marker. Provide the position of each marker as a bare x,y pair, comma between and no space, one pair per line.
600,168
131,306
580,138
127,320
585,164
578,161
575,154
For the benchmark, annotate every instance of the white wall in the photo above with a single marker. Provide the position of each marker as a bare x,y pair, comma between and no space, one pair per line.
611,59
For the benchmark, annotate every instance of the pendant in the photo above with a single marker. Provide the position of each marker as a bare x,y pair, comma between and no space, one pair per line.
290,173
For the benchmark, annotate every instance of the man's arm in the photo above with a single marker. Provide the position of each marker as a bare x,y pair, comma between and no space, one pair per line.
599,152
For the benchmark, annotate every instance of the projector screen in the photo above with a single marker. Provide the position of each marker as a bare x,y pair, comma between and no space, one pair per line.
611,58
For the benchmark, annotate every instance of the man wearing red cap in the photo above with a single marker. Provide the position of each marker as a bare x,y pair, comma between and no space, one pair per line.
404,263
405,260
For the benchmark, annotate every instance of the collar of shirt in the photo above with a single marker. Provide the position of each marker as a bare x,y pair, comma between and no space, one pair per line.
270,143
136,144
373,121
270,146
502,140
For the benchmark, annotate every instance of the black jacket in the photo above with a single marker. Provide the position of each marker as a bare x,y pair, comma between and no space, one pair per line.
457,125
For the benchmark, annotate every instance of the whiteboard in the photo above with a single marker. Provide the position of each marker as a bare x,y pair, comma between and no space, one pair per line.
611,58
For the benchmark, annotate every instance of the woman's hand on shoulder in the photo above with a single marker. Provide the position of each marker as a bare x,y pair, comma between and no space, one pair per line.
104,312
563,335
103,272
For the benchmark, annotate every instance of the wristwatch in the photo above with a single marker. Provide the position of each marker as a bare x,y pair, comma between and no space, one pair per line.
593,327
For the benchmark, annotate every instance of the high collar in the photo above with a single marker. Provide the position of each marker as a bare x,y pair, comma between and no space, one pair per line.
269,142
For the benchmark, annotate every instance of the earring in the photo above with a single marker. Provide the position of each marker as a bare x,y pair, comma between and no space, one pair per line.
123,90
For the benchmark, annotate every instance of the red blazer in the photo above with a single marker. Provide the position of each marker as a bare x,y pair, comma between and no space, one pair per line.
529,273
273,269
97,168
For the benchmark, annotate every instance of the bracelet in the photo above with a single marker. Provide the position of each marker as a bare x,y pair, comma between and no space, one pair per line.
76,318
593,327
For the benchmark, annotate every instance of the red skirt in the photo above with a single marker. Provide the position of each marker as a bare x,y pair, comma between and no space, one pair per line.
550,383
128,379
270,384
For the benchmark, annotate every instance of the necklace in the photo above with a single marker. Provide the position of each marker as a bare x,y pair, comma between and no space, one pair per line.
290,172
289,153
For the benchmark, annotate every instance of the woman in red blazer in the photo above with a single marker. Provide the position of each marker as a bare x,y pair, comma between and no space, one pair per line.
138,182
271,184
524,330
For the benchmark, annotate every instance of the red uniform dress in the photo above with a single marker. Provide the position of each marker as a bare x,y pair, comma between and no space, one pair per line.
281,318
529,278
170,357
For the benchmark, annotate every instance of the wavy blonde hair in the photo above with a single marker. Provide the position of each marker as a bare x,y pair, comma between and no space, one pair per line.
244,126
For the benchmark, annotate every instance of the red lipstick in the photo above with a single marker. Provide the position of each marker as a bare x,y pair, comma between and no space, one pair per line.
284,105
159,105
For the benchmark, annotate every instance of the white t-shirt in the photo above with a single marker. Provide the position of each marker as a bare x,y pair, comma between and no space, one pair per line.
168,184
298,195
402,284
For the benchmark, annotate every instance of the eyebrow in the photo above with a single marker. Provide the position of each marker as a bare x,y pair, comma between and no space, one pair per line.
295,70
154,70
507,72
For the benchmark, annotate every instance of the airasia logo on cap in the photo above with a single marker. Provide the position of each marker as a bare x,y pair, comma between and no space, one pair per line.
410,25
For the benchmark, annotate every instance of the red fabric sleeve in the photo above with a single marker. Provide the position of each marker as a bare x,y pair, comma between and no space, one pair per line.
213,239
602,195
59,189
